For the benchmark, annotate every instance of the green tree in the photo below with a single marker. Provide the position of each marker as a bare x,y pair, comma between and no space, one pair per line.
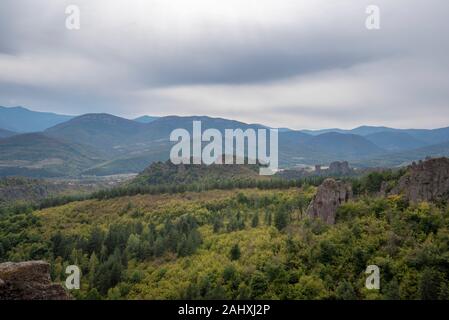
93,266
255,220
235,252
133,246
345,291
95,240
258,284
93,294
280,219
391,291
429,284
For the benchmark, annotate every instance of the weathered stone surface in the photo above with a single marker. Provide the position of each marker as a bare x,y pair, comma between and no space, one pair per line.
340,168
330,195
426,181
29,281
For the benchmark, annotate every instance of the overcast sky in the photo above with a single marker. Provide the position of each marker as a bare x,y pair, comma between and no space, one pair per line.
284,63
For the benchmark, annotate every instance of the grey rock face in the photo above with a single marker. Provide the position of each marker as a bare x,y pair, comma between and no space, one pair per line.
425,181
340,168
29,281
330,195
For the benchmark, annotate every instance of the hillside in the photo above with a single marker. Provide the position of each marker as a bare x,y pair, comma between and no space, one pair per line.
395,141
19,190
106,133
36,155
403,158
160,173
236,244
6,133
344,146
19,119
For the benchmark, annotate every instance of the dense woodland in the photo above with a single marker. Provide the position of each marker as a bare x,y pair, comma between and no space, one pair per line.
238,241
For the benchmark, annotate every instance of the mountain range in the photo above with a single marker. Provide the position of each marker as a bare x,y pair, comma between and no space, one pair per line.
22,120
103,144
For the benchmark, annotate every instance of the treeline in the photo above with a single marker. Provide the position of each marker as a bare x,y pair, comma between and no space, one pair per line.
365,185
132,190
374,182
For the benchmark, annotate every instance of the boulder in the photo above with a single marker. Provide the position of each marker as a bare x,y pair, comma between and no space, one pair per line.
29,281
330,195
425,181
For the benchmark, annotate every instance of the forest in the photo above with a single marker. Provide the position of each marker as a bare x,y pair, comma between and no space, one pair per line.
236,243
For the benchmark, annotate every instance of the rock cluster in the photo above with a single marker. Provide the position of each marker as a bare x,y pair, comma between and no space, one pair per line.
330,195
426,181
29,281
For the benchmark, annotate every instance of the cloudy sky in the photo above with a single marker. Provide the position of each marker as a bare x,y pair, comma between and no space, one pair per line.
284,63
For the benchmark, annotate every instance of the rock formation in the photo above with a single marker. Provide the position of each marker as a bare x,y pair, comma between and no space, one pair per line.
330,195
426,181
340,168
29,281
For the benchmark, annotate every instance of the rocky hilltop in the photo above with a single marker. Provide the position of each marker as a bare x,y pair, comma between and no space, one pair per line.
330,195
29,281
425,181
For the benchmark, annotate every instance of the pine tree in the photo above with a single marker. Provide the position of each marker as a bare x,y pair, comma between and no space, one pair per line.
133,246
280,219
255,220
95,240
235,252
93,266
429,284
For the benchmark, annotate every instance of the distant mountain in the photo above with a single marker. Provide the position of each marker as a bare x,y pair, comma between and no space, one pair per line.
108,134
145,143
344,145
19,119
36,155
162,127
103,144
322,131
429,136
145,119
6,133
395,141
434,136
361,131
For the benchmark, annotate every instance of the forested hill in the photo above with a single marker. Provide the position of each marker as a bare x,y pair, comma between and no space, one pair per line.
231,244
167,173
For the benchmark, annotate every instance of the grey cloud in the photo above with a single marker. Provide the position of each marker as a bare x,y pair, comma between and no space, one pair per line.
128,51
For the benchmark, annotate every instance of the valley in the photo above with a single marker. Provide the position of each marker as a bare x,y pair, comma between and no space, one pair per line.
223,231
103,144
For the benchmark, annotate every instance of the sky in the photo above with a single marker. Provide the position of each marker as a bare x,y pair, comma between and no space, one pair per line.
284,63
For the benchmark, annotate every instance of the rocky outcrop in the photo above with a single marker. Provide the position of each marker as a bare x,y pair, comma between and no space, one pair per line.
425,181
330,195
29,281
338,168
